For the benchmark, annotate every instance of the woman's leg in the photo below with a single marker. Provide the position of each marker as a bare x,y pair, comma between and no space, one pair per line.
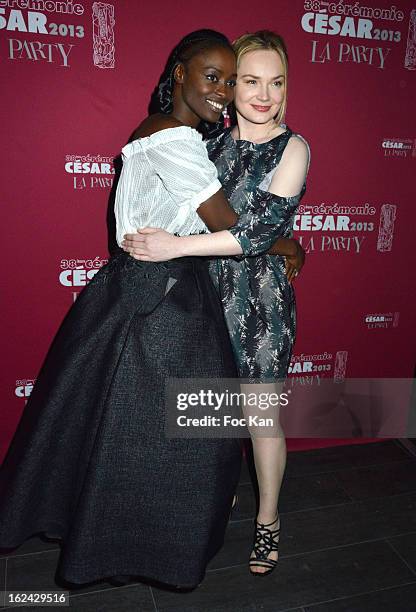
270,462
269,452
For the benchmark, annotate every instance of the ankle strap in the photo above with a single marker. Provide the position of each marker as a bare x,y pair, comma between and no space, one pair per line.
267,524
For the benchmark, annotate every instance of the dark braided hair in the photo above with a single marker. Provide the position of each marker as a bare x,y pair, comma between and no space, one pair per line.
185,50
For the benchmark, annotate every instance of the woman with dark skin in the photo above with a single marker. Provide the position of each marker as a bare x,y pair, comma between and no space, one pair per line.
90,463
262,166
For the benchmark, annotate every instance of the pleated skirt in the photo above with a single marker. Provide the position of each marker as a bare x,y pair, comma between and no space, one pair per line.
90,462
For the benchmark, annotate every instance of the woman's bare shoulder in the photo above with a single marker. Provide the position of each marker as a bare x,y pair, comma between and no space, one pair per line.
155,123
297,144
298,149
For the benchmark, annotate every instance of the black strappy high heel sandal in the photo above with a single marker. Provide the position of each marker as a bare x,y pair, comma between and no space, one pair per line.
265,541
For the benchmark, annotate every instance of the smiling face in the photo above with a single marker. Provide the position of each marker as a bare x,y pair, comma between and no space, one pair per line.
261,84
206,84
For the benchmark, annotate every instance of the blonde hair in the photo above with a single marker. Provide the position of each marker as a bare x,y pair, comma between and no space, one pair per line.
269,41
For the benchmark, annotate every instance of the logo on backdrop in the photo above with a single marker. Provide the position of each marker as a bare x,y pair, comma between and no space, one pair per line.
364,35
410,55
103,35
309,369
386,227
24,387
344,228
76,273
399,147
59,27
382,320
90,171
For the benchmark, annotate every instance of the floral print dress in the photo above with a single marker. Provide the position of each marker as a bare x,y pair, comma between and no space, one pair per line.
258,300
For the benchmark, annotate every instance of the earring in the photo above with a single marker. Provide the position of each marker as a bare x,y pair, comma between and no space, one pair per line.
227,118
177,78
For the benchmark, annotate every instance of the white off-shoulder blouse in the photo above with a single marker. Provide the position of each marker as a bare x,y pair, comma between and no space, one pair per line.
164,179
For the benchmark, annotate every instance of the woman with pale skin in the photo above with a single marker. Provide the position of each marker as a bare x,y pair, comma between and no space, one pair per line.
262,166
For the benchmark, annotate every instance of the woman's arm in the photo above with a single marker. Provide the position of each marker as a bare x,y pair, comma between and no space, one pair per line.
252,234
272,211
218,215
154,244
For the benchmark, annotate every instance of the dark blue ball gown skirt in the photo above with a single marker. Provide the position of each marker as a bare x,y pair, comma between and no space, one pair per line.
90,462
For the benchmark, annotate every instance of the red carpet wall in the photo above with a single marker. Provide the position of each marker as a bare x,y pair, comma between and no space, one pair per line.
76,80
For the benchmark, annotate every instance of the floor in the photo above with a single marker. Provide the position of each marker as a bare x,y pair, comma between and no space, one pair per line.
348,543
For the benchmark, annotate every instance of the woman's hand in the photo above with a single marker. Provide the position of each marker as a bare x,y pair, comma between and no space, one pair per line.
152,244
294,263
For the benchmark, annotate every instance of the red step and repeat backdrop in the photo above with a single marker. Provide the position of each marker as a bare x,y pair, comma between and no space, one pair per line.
76,80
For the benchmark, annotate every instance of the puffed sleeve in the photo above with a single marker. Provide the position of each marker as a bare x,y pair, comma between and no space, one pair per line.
183,166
